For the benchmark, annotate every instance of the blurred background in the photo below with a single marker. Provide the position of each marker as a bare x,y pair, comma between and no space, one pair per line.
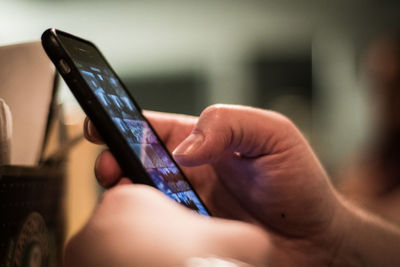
302,58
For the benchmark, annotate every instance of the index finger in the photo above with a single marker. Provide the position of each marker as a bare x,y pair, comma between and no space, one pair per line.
171,128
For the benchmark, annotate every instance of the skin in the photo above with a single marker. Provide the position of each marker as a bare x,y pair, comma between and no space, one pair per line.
272,201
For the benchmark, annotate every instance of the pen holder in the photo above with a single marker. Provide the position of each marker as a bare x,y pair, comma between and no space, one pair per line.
32,215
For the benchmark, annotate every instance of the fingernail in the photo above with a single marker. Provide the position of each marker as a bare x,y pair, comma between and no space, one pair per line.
86,129
189,145
89,131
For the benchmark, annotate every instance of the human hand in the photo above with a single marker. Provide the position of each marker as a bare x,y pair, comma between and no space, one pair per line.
251,165
136,225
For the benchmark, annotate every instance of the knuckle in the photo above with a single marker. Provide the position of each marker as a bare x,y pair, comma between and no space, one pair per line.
216,111
285,130
282,120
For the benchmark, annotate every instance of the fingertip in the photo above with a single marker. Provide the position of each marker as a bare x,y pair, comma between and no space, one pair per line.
90,132
107,169
196,150
190,160
190,145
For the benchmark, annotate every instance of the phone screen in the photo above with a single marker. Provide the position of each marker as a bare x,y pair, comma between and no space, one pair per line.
129,121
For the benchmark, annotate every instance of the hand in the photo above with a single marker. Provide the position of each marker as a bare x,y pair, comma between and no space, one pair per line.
251,165
136,225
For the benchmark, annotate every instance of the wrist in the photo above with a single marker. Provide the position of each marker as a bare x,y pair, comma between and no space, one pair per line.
328,245
341,232
363,239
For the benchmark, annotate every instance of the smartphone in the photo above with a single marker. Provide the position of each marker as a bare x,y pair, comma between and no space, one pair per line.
118,118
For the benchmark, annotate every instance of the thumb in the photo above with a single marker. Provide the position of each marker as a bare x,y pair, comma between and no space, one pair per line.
249,132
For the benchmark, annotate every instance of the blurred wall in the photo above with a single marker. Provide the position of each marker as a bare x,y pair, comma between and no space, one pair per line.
218,38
